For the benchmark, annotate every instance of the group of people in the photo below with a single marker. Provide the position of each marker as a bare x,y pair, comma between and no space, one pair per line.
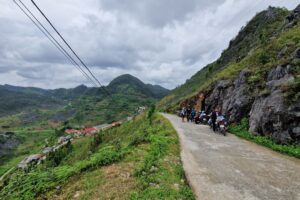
213,118
188,113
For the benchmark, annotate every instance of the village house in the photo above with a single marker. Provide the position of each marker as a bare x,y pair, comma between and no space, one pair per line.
90,131
141,109
36,158
63,139
102,127
115,123
75,133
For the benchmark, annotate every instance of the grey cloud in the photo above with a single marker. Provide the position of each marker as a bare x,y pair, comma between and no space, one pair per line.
158,13
160,41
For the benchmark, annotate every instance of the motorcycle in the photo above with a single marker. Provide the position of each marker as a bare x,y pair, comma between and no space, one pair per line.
202,118
221,125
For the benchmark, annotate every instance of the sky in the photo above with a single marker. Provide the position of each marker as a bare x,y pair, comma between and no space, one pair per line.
161,42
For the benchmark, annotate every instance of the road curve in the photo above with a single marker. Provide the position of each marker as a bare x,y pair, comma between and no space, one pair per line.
230,168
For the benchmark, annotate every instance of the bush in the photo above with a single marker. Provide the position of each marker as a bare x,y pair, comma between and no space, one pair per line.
97,140
54,158
151,112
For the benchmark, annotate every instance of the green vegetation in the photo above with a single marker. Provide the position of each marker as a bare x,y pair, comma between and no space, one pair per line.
256,49
77,106
32,142
72,108
292,91
149,152
160,179
241,130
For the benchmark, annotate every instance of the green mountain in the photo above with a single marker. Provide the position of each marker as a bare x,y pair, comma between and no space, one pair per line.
78,105
18,99
256,78
128,84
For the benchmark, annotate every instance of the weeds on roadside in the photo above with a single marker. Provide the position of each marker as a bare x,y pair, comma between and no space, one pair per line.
241,130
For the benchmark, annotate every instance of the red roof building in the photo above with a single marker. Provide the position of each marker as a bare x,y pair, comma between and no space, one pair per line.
89,131
70,131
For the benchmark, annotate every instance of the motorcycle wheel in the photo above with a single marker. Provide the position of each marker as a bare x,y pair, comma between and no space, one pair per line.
223,132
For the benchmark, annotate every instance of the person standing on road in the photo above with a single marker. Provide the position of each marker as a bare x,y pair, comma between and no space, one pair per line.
183,113
214,118
193,115
188,113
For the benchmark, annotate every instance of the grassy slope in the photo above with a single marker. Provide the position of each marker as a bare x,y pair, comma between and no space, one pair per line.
32,142
255,48
146,166
93,111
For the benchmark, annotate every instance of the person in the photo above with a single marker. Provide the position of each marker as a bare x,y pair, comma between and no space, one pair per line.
193,114
188,113
213,117
183,113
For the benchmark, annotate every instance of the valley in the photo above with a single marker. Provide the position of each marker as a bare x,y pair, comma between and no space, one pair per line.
231,131
73,108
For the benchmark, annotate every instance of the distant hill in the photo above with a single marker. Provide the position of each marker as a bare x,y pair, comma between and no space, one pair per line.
127,84
81,102
18,99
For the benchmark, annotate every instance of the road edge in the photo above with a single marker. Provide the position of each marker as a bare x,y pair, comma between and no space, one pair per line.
187,160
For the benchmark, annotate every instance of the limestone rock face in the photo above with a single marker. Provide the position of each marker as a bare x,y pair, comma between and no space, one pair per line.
270,115
233,99
292,18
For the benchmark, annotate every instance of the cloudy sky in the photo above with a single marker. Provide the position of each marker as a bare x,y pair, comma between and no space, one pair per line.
159,41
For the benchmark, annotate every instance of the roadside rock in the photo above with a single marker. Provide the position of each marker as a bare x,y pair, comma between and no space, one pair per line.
270,116
234,99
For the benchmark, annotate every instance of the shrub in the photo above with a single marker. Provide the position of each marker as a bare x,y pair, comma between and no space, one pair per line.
151,112
97,140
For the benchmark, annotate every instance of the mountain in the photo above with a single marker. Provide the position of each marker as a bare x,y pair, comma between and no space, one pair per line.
256,78
127,84
128,93
17,99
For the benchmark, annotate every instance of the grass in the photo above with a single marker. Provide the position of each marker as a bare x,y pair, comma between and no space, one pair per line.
32,142
255,48
241,130
161,175
149,152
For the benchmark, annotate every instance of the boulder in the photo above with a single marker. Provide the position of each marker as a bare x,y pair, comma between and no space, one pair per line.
279,76
282,52
297,54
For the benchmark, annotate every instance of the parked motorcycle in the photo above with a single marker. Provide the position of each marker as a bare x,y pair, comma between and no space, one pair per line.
221,125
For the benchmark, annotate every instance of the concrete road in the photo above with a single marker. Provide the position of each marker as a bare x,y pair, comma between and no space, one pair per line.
222,168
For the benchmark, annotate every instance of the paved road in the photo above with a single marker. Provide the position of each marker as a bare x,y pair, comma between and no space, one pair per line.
224,168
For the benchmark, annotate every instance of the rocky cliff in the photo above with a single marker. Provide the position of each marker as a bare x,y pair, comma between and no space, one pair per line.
269,114
263,85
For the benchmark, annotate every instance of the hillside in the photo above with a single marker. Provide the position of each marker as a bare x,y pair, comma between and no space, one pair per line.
139,160
26,111
256,77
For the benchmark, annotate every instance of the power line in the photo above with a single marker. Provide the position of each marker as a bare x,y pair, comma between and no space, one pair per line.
70,47
52,39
